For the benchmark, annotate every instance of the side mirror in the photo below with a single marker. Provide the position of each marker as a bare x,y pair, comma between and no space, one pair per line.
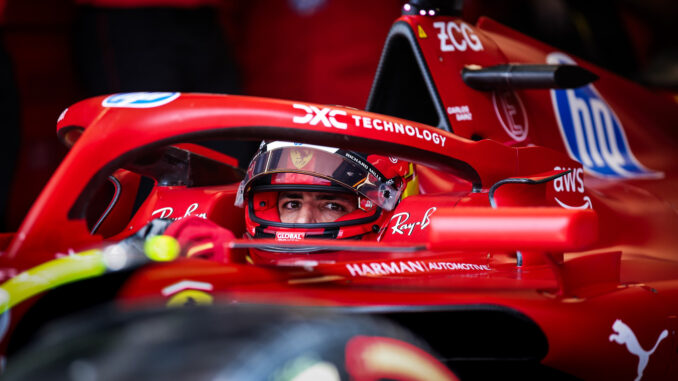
547,229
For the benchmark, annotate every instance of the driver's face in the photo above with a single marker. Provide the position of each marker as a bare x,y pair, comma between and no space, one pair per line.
314,207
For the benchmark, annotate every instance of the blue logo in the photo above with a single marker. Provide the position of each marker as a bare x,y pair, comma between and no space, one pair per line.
592,132
140,99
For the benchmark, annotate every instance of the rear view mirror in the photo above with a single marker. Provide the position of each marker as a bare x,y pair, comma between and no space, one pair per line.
546,229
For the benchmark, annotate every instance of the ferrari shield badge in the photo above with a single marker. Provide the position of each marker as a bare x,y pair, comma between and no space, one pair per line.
188,293
592,132
511,114
301,157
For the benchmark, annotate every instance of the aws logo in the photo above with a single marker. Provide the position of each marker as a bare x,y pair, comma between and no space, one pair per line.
592,132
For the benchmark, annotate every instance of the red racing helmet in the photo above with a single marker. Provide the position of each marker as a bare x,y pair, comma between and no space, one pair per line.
377,182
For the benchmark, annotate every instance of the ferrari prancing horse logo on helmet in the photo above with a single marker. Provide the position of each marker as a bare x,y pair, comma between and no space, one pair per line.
301,157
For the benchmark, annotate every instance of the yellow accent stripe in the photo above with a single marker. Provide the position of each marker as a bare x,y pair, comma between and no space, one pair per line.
198,248
360,182
87,264
327,278
412,184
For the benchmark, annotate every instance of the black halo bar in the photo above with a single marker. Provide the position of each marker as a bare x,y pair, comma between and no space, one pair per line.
526,76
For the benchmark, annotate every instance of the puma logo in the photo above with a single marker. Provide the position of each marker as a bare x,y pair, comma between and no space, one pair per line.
625,336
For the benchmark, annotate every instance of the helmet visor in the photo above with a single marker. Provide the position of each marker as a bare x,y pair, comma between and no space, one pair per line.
343,168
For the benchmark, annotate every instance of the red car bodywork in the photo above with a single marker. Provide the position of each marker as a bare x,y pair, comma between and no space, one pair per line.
573,248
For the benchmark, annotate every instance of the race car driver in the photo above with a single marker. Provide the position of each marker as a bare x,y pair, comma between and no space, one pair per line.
294,191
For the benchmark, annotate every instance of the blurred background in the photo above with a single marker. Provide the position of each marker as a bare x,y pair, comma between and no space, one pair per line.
54,53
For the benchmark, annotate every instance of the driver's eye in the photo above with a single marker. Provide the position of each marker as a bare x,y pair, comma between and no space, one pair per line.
335,207
291,205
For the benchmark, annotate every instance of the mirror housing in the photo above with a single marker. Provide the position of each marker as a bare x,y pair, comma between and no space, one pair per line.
547,229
